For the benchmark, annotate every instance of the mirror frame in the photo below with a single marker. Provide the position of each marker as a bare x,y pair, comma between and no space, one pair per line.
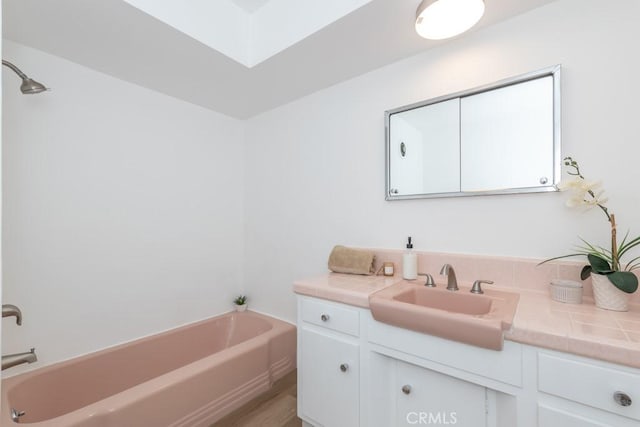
553,71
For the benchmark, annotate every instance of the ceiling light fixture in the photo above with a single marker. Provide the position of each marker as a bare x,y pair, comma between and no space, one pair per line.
441,19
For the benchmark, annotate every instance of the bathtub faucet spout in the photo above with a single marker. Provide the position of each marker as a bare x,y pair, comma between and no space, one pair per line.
12,310
11,360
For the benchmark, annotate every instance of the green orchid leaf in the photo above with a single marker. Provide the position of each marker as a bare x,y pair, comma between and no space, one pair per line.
633,264
624,239
599,264
559,257
598,250
624,280
623,248
586,271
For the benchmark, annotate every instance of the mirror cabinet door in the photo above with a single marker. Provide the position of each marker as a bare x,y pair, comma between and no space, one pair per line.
507,137
425,149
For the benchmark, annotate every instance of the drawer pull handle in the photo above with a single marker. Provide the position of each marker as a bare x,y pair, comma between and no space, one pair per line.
621,398
406,389
324,317
344,367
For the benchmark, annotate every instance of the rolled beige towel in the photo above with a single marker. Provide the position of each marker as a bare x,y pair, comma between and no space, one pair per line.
351,261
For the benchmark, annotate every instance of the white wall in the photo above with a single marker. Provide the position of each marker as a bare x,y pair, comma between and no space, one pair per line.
1,102
315,167
122,209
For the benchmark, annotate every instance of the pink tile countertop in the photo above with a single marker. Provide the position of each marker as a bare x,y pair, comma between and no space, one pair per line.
580,329
349,289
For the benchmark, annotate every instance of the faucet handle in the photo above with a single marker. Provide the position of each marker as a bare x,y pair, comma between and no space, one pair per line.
477,289
429,280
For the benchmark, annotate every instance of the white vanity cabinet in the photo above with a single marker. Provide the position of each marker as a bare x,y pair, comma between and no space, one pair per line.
354,371
328,363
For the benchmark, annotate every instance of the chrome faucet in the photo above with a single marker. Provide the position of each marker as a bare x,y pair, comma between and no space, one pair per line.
11,360
428,280
452,282
11,310
477,286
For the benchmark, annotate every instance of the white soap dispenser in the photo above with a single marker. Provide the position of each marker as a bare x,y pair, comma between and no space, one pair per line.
409,263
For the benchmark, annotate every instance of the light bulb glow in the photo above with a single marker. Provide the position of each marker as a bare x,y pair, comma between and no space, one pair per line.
447,18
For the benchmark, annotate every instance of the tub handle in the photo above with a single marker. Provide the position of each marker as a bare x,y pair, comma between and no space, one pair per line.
344,367
324,317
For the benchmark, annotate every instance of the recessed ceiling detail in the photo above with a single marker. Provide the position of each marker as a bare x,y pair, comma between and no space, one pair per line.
250,6
248,31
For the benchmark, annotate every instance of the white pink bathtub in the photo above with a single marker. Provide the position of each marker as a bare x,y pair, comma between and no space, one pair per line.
191,376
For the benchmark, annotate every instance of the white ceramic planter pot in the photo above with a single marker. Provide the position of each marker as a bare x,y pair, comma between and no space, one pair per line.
607,296
242,307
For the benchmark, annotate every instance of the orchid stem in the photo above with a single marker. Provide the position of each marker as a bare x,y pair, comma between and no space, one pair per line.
615,262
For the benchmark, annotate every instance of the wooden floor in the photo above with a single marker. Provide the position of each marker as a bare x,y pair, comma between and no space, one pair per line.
276,408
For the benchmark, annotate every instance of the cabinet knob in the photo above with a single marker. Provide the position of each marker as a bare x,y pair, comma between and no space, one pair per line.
344,367
324,317
621,398
406,389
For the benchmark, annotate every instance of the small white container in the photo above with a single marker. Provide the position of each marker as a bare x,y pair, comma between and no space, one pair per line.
409,263
567,291
242,307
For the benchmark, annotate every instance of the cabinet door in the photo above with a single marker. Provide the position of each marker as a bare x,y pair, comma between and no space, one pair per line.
425,397
328,369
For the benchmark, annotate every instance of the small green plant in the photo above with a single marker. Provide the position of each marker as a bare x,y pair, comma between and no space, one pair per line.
601,260
240,300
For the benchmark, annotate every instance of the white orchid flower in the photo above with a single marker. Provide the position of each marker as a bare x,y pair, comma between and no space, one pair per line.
570,184
584,192
590,185
575,201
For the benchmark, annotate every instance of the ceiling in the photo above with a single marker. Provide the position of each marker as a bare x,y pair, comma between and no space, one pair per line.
250,6
116,38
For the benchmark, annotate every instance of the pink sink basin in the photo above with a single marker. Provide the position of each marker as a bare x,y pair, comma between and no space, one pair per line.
449,301
460,316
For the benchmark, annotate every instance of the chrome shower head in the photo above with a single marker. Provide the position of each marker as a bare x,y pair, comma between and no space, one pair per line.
28,86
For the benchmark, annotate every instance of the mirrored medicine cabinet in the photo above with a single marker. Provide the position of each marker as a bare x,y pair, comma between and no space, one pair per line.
501,138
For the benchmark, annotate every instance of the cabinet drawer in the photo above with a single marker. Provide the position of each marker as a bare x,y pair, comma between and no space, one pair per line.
589,384
331,315
553,417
